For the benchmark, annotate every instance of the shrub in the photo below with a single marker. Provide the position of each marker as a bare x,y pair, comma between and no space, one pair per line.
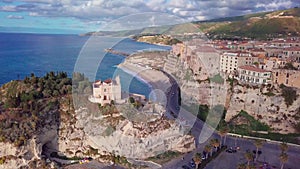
289,94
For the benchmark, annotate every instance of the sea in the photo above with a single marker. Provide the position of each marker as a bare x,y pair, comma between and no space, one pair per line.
22,54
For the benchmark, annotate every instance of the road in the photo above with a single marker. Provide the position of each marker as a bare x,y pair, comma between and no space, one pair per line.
270,151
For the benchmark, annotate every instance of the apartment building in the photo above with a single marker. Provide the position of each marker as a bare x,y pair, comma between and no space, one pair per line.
253,75
287,77
230,61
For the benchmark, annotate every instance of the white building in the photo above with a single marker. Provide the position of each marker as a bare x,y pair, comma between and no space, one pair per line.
104,92
230,61
254,75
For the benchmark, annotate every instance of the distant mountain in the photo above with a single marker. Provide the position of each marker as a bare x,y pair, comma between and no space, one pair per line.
260,25
263,25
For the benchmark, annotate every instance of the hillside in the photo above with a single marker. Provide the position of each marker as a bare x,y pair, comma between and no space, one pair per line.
261,25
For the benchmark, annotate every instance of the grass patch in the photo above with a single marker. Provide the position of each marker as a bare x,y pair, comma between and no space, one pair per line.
217,79
255,125
270,94
164,157
251,124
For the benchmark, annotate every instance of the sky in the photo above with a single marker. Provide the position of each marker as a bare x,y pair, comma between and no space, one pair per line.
79,16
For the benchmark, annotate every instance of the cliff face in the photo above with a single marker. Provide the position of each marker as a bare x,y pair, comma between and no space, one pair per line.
29,154
266,106
115,134
84,133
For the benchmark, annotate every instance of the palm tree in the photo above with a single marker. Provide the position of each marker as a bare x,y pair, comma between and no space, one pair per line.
283,146
207,149
223,132
215,143
197,158
249,157
258,144
283,158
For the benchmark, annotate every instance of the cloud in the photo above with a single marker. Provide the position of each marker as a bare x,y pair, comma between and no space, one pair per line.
103,11
15,17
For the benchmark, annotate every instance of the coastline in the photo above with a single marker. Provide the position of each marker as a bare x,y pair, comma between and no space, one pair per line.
133,74
154,78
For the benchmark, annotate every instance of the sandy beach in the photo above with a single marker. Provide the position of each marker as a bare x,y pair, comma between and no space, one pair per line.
156,79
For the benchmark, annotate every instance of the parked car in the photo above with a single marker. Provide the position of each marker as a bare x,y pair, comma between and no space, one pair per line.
203,157
192,164
230,150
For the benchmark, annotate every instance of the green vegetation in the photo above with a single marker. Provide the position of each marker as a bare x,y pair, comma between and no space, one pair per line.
269,93
109,130
164,157
137,104
26,105
258,26
247,124
289,94
216,114
250,125
156,39
217,79
56,155
289,66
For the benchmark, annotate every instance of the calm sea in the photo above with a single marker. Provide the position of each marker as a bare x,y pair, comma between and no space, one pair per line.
23,54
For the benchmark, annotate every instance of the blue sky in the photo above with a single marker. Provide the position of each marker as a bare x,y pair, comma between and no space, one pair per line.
77,16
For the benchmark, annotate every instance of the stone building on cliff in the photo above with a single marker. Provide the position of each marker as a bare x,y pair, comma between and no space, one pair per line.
104,92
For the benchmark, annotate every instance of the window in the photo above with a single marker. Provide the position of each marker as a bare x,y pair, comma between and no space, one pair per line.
104,90
287,75
287,81
276,73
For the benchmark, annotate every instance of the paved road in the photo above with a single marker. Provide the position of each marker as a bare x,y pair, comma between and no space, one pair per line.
270,151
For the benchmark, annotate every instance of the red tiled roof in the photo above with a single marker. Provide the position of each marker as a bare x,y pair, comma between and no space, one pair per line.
252,68
107,81
292,49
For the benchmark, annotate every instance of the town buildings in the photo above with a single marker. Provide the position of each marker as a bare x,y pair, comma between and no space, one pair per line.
252,62
253,75
230,61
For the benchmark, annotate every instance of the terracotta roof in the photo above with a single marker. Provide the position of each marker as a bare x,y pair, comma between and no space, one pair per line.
292,49
257,50
252,68
107,81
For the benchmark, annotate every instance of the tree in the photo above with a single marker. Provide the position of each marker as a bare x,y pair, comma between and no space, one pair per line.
215,143
131,100
283,158
197,158
249,157
258,144
283,147
223,132
207,149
